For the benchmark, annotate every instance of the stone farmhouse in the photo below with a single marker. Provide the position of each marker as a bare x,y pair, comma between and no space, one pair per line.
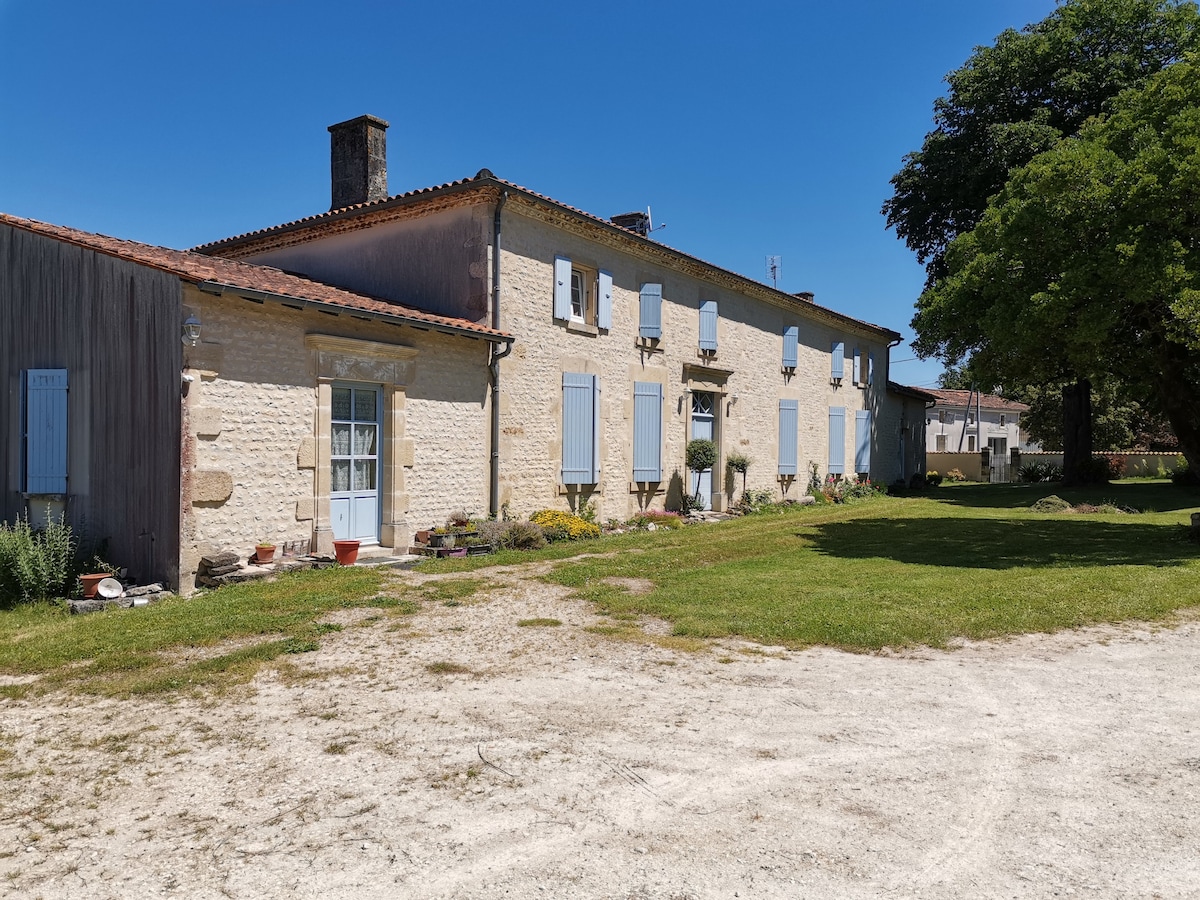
365,371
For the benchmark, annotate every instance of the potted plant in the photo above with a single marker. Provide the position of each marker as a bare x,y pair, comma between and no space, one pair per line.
346,552
92,581
264,551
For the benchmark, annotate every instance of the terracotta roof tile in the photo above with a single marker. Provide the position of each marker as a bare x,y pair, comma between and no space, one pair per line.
482,179
198,268
987,401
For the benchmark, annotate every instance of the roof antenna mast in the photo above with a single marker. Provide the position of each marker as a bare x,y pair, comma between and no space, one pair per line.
774,270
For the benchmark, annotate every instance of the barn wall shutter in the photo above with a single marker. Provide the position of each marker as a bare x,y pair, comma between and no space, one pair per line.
604,309
595,470
579,431
837,440
562,287
862,440
788,422
791,345
837,368
708,325
46,431
647,431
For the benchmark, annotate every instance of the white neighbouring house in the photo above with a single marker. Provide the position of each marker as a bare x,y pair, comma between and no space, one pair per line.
966,422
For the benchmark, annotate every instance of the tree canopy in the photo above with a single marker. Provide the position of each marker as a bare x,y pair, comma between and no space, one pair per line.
1088,261
1022,96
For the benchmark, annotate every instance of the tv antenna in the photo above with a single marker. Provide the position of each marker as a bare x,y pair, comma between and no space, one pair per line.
774,270
650,222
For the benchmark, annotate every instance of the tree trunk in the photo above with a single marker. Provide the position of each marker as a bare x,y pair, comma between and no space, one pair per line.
1077,432
1178,388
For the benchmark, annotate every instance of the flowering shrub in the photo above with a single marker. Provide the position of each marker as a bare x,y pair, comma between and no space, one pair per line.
839,490
956,475
562,526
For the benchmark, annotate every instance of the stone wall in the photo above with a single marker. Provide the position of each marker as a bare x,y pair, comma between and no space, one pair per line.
252,429
746,375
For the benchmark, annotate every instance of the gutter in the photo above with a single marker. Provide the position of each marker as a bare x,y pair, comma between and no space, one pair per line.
219,289
494,367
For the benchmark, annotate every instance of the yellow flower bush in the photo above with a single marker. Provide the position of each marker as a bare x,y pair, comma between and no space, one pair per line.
563,526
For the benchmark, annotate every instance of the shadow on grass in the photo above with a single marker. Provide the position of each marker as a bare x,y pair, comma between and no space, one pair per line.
1140,495
1004,543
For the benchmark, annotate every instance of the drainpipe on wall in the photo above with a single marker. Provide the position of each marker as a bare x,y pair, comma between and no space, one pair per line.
494,366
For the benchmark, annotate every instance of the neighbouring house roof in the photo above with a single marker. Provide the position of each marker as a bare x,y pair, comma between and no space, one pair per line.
216,275
913,392
366,214
986,401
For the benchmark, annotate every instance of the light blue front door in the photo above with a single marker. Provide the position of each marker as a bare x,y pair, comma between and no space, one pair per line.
354,463
702,427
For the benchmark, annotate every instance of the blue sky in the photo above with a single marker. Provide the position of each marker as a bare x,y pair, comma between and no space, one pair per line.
750,128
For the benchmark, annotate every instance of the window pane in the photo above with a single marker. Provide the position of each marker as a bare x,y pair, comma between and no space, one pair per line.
577,295
341,403
364,475
340,442
364,406
340,471
364,440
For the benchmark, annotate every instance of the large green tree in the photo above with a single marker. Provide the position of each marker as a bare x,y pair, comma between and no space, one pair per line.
1089,260
1024,95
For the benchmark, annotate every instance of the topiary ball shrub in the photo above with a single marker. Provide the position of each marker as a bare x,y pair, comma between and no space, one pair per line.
1051,504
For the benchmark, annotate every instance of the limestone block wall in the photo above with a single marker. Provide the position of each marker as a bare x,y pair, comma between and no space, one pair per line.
745,373
253,427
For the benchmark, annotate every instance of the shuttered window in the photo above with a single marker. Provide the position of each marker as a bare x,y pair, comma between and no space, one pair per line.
857,366
870,368
581,429
708,325
650,314
46,431
837,369
837,440
791,346
788,449
862,440
647,431
562,287
604,301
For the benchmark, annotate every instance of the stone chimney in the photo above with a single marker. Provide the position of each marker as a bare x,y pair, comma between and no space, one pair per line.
358,161
806,296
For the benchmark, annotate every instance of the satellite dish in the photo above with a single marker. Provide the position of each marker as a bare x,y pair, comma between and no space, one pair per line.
109,588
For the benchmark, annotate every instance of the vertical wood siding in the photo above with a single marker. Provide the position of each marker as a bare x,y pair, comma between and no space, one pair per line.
114,326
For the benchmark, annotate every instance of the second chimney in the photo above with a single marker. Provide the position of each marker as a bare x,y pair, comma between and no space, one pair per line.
358,161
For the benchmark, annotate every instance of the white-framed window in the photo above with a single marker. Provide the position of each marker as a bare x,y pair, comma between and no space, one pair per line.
942,417
1003,420
970,443
582,294
970,418
941,443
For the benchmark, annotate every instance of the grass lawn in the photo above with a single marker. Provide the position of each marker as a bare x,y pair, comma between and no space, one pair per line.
974,562
965,561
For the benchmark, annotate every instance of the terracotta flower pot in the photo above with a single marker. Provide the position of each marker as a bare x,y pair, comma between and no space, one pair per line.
346,552
91,582
264,553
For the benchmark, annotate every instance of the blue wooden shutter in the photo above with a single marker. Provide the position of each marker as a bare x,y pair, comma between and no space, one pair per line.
562,287
857,366
580,428
604,309
837,440
862,440
837,367
650,314
871,367
791,345
46,431
647,431
708,324
788,422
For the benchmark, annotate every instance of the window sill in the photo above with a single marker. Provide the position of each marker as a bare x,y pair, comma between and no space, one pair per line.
565,490
581,328
707,355
650,345
642,487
